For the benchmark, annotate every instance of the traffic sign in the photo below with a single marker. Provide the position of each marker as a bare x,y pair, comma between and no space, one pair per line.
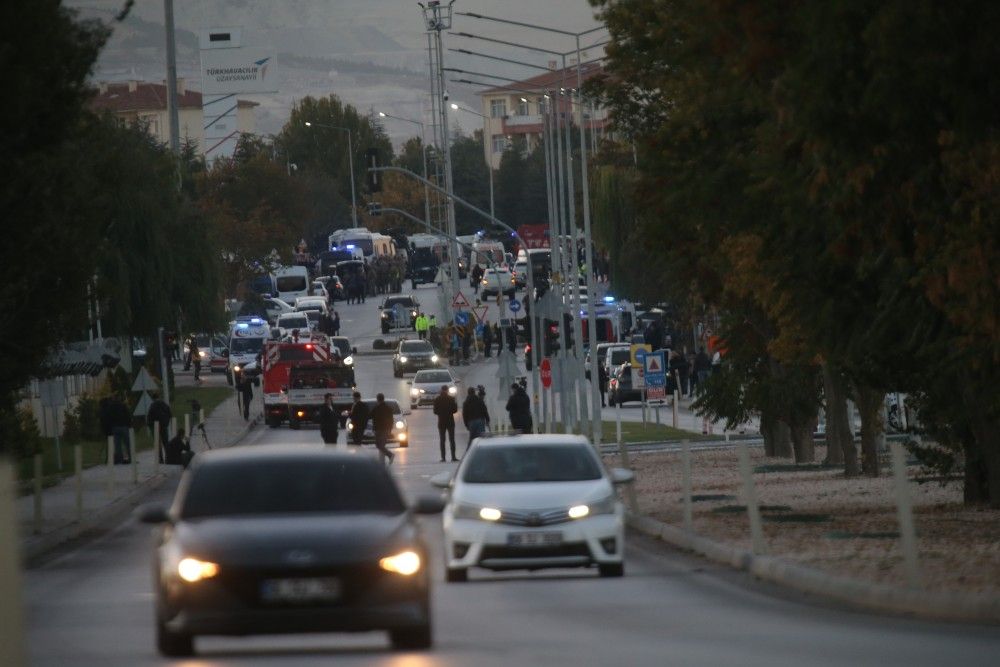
459,301
655,369
545,370
142,407
637,351
144,381
654,393
480,313
461,318
514,305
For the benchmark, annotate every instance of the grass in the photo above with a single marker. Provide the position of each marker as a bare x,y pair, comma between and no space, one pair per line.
95,451
651,432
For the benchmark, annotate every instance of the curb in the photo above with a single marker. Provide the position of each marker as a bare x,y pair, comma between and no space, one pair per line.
969,607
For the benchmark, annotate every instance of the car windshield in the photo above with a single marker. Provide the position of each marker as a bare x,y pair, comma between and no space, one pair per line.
246,345
620,356
401,300
415,347
321,378
343,346
293,322
313,315
440,377
290,284
535,463
300,485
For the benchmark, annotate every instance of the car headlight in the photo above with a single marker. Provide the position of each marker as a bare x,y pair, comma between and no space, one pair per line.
578,511
604,506
414,392
452,390
434,358
201,353
384,314
348,361
400,424
401,436
236,368
465,511
402,359
192,570
413,313
405,563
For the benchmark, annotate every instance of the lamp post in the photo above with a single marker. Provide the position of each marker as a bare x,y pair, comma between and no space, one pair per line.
423,151
350,162
489,166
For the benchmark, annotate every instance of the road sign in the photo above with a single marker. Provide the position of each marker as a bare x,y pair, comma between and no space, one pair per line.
461,318
514,305
655,368
144,381
480,313
658,393
142,407
460,301
637,351
545,370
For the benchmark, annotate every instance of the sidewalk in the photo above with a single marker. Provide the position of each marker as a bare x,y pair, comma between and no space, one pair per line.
109,497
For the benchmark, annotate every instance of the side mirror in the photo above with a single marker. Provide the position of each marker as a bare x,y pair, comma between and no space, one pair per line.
622,476
152,513
442,480
428,505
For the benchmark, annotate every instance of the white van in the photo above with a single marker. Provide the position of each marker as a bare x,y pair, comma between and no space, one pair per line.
291,282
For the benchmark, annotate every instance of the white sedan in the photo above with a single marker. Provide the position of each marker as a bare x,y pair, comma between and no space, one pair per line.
426,386
532,502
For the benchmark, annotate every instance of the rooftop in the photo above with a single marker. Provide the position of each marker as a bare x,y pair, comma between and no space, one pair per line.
548,81
147,96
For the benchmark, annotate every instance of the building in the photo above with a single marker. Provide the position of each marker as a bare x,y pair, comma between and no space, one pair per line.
510,112
146,103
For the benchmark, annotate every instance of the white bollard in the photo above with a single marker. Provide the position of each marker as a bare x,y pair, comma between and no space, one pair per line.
187,425
37,484
133,459
686,481
11,603
111,466
750,497
618,421
676,407
173,428
157,448
904,512
78,479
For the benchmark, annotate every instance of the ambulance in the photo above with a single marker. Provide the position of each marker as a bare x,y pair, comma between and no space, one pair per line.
246,340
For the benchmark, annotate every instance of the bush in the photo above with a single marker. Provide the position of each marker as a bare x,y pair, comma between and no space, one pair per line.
83,422
26,440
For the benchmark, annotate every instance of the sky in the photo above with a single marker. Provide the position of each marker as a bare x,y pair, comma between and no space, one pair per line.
370,53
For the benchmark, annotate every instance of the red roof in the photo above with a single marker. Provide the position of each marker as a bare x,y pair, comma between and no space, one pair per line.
145,96
548,80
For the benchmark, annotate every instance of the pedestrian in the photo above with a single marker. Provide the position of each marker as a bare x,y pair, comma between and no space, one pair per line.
432,325
519,409
328,420
359,419
487,339
456,345
466,333
245,386
187,357
702,367
335,323
382,421
475,415
116,420
511,338
196,359
420,325
158,418
602,381
175,449
445,407
477,277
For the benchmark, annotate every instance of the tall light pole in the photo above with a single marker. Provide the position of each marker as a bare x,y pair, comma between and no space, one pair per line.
423,154
489,166
350,164
175,126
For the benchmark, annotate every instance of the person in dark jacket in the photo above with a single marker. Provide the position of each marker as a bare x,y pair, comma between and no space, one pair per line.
445,408
359,418
475,414
602,381
487,339
519,409
246,394
158,418
115,421
382,420
175,448
328,421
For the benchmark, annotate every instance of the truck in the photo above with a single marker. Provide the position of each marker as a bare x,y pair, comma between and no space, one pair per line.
297,374
247,335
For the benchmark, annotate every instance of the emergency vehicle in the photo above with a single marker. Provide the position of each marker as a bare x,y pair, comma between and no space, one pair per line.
298,373
246,341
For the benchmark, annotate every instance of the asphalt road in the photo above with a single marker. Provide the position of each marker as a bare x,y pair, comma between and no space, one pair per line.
93,605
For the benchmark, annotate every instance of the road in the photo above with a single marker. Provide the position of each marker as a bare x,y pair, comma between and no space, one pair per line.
93,604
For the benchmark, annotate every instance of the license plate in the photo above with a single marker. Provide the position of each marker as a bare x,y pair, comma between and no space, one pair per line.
300,590
539,539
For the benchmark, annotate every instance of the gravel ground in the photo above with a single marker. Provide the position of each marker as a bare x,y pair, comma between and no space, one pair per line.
821,519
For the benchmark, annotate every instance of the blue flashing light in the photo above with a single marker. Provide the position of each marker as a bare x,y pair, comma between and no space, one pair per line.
350,246
255,320
609,299
242,325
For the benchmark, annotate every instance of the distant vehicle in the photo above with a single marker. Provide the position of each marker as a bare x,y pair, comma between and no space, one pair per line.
318,303
520,272
371,244
246,340
398,312
318,288
263,284
341,346
289,539
274,307
289,322
334,288
487,254
218,355
282,399
530,502
414,355
308,384
400,434
291,282
426,386
620,388
498,280
326,262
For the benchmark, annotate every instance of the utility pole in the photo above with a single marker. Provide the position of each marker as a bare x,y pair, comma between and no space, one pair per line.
175,126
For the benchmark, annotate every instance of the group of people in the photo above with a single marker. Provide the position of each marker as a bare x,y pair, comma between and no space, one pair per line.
387,273
380,415
425,325
329,323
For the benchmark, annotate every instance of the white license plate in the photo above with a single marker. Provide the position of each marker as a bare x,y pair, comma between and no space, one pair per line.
300,590
539,539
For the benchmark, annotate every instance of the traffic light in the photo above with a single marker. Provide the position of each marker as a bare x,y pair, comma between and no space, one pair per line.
374,178
551,342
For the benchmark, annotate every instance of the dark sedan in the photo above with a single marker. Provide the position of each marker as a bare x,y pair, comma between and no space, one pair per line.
620,386
272,539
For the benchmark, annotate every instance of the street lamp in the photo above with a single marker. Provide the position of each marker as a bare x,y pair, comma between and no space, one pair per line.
350,162
489,166
423,150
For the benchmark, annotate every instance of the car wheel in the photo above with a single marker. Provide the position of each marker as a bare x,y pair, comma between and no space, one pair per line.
456,575
414,406
611,569
419,637
173,645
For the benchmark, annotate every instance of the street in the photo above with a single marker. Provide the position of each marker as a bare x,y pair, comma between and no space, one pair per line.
93,604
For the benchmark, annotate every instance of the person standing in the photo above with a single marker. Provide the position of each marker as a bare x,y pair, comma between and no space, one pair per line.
519,409
382,420
420,324
196,359
702,367
445,408
119,421
487,339
335,323
359,418
475,415
246,394
158,417
602,381
328,420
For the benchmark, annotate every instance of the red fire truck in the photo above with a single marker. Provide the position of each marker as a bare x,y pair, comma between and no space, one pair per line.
298,374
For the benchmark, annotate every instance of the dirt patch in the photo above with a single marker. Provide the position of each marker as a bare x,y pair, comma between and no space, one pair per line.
817,517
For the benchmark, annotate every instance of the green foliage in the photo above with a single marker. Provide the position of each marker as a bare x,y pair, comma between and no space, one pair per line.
83,421
26,439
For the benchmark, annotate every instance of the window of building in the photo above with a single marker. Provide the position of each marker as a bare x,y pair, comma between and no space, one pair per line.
499,143
498,108
522,108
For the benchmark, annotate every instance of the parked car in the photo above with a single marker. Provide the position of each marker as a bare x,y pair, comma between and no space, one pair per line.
398,312
620,386
531,502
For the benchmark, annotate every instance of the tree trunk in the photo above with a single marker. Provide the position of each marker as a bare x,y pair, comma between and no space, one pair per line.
782,439
802,441
836,418
982,454
767,430
871,404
